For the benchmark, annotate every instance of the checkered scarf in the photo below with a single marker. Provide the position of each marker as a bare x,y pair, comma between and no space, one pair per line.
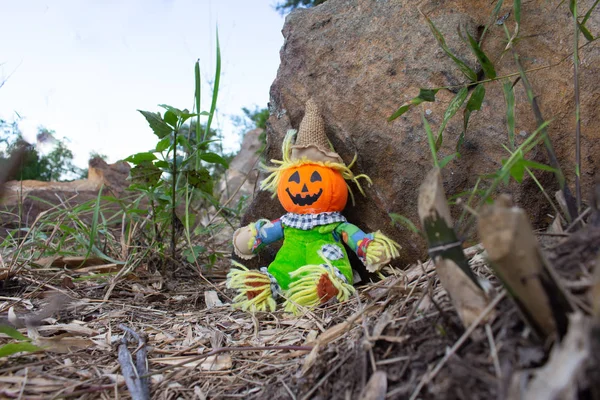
308,221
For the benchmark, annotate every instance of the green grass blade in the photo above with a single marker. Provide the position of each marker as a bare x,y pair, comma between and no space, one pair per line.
509,97
430,140
402,220
484,61
537,165
582,28
472,194
504,173
517,11
197,97
424,95
544,167
474,104
215,94
587,14
444,161
158,126
214,158
94,227
453,107
12,348
465,69
492,19
13,333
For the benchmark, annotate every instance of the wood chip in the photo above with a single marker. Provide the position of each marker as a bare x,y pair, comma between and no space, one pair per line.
376,388
211,299
219,362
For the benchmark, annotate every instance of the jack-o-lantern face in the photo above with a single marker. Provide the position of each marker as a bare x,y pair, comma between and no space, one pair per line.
312,189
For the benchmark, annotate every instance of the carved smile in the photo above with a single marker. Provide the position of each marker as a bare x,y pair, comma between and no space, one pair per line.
304,201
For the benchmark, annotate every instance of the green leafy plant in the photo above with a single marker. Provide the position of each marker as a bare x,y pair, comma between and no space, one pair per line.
183,166
471,95
21,344
57,165
289,5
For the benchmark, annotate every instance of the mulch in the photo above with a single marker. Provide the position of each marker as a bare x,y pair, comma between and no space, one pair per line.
200,348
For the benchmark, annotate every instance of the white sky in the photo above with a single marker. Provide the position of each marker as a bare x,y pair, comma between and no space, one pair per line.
83,67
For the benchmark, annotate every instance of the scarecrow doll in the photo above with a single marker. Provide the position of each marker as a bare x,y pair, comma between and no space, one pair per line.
312,266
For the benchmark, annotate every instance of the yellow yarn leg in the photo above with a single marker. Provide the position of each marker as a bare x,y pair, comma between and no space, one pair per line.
304,291
254,289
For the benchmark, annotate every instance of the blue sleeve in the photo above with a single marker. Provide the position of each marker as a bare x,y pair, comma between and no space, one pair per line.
355,238
267,232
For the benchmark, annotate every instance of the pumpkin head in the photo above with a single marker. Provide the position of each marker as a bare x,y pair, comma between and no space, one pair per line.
312,189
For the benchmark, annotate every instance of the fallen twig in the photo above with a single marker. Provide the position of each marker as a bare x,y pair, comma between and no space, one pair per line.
428,377
228,349
323,379
135,376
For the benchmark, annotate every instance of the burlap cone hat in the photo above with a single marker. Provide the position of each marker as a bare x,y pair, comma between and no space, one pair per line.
311,141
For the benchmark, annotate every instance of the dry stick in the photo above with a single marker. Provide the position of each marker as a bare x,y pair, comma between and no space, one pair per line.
322,380
280,379
135,378
225,350
493,350
577,109
571,207
91,389
414,309
429,376
518,262
24,383
366,333
578,219
455,274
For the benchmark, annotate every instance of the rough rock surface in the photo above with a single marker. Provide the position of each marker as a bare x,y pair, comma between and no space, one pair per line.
361,59
26,193
242,175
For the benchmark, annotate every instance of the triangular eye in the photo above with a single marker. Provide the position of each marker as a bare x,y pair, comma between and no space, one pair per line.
295,177
315,177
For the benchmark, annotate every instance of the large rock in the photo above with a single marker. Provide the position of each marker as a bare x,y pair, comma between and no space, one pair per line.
242,175
361,59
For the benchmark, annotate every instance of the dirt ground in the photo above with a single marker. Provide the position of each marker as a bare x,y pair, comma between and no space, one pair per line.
403,326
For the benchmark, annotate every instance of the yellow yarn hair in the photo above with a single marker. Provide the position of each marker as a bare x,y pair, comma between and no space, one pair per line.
303,291
240,279
271,182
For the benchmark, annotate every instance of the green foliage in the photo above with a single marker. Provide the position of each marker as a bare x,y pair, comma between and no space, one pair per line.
403,221
509,97
258,116
453,107
517,164
252,119
166,173
182,170
465,69
424,95
60,163
289,5
54,166
474,104
484,61
21,344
